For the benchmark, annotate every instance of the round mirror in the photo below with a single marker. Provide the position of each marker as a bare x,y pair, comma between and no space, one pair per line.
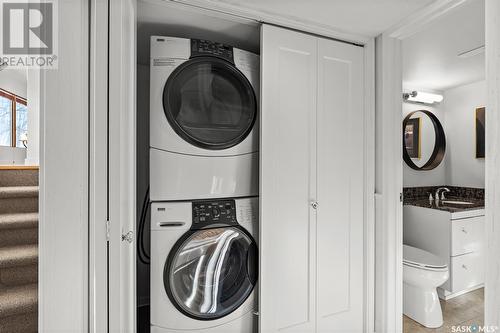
424,142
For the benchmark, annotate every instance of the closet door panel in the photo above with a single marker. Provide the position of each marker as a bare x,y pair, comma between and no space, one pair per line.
340,187
287,230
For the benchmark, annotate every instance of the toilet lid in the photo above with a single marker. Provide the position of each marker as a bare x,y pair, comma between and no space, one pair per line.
415,256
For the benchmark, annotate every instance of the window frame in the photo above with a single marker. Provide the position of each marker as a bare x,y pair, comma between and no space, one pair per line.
14,100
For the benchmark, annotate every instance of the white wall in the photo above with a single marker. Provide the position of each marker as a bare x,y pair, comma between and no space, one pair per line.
12,155
64,198
14,81
437,176
462,166
33,93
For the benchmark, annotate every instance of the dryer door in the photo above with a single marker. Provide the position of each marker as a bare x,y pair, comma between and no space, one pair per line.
209,103
210,273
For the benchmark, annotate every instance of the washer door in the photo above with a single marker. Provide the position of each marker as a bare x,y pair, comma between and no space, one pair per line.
209,103
209,273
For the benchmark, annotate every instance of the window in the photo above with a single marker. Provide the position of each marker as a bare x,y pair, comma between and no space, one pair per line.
5,121
13,119
21,122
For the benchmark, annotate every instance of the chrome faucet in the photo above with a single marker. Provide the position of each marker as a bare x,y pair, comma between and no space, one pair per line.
444,189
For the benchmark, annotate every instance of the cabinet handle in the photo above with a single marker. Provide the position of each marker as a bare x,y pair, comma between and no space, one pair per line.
314,205
464,267
464,231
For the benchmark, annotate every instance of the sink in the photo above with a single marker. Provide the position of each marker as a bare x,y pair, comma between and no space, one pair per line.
456,202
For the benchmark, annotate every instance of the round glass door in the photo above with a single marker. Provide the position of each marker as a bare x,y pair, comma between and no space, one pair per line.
209,103
210,273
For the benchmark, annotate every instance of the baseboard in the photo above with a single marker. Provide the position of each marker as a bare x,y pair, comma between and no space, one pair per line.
446,295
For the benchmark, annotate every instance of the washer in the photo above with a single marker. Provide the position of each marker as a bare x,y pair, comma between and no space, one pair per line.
204,266
203,120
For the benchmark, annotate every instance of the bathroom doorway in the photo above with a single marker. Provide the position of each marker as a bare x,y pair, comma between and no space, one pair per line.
443,128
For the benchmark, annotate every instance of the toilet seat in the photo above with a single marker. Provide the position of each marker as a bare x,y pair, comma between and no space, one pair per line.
423,272
419,258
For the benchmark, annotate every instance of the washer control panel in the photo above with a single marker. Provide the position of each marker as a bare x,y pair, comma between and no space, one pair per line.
209,212
201,47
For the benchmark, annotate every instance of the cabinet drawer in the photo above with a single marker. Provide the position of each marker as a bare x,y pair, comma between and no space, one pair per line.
467,235
466,271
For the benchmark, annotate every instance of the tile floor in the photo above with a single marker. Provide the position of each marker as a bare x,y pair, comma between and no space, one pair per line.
464,310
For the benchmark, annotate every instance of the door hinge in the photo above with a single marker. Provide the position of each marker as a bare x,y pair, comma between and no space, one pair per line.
400,196
108,227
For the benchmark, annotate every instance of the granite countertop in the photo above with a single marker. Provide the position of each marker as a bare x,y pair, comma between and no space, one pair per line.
452,208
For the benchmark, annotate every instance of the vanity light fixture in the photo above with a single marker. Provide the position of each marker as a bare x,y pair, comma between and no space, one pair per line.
422,97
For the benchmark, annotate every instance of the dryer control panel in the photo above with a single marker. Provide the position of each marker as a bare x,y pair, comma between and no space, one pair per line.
209,212
201,47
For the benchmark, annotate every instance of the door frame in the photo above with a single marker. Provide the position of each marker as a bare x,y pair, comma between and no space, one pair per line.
98,162
112,166
122,166
492,278
121,43
369,183
63,177
389,164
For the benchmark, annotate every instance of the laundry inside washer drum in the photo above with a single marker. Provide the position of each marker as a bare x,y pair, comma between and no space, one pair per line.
211,272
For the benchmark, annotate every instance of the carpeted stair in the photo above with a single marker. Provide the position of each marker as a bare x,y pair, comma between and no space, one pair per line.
18,251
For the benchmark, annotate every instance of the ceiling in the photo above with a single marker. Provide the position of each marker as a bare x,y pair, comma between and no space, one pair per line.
17,75
430,60
364,17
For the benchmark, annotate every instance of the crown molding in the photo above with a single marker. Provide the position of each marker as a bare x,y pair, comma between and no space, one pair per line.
189,6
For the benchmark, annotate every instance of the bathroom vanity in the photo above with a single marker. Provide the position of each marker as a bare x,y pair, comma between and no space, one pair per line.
452,229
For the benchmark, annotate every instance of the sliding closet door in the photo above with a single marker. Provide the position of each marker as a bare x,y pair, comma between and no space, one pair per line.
340,188
287,230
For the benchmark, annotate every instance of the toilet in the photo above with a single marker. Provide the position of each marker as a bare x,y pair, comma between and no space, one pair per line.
423,272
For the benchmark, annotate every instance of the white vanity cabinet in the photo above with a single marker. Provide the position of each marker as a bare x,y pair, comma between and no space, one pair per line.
467,235
459,237
312,162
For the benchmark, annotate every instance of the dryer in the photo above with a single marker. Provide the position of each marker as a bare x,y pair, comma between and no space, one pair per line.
204,266
203,120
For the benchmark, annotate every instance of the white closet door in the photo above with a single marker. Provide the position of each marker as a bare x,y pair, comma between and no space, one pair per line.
340,188
287,230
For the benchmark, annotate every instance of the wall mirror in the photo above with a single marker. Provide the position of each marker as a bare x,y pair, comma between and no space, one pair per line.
424,142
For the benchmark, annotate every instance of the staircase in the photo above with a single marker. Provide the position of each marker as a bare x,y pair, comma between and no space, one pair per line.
18,250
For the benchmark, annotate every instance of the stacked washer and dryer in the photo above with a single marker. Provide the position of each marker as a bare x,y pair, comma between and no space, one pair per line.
204,186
